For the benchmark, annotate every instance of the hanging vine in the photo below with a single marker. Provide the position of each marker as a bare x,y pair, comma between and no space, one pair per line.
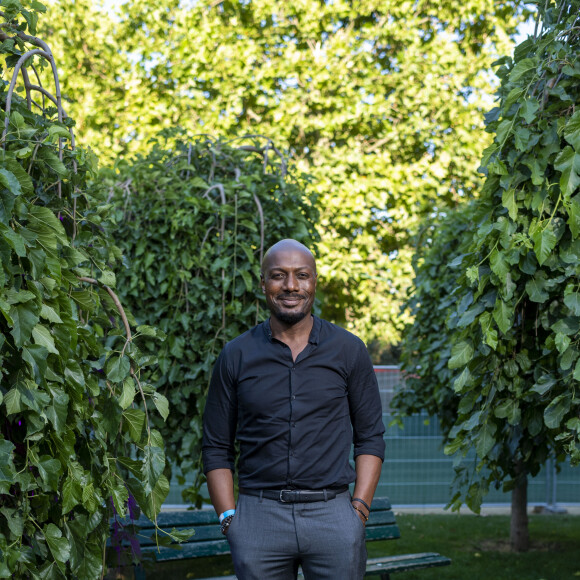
75,438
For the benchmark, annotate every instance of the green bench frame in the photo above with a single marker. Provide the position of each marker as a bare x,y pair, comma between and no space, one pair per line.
208,540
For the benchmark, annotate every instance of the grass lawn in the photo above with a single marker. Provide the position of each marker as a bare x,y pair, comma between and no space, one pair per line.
478,546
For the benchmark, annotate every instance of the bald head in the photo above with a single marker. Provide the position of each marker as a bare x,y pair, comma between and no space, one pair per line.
288,247
289,282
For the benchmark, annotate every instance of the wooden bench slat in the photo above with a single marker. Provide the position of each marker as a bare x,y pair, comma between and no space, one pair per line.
186,551
405,562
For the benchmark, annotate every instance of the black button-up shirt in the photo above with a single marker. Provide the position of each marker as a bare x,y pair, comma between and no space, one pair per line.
295,420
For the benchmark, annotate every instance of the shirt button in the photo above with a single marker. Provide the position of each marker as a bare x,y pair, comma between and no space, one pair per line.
293,397
293,424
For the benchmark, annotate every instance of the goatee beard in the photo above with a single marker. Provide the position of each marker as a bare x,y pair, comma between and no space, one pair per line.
289,317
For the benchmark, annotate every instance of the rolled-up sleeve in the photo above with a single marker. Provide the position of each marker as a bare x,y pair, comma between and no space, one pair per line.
220,418
365,406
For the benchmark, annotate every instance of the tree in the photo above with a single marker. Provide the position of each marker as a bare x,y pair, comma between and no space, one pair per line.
378,101
194,218
74,435
513,335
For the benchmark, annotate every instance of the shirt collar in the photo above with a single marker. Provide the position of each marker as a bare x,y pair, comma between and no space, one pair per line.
314,333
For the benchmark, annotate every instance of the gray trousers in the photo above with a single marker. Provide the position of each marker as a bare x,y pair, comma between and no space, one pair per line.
269,539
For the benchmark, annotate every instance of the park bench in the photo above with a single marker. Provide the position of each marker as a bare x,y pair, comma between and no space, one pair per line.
208,541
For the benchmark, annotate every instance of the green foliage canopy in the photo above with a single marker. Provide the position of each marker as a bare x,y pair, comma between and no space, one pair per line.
194,219
378,100
511,347
74,435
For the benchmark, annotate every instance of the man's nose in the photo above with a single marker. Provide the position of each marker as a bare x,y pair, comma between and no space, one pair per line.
292,283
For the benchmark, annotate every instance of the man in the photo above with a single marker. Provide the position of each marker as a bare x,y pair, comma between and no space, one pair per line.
295,391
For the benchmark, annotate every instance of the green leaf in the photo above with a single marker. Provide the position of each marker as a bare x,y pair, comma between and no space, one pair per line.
556,410
146,330
49,313
50,470
544,384
572,301
248,281
71,494
528,109
463,379
508,408
12,401
133,465
577,371
57,412
544,242
485,439
562,342
118,368
568,162
522,68
198,182
42,337
498,264
16,119
24,319
572,131
55,132
52,161
127,394
134,420
120,496
89,498
509,202
58,546
573,209
502,314
461,354
535,290
156,499
14,520
162,405
10,182
152,468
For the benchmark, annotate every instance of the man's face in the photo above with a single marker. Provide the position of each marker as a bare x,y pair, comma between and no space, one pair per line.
289,282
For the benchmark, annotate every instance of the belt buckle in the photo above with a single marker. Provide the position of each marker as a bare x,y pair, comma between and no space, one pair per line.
282,491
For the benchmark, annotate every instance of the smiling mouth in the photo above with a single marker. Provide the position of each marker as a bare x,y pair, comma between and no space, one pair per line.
290,300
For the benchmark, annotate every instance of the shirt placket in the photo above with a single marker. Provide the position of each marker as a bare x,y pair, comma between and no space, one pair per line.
291,426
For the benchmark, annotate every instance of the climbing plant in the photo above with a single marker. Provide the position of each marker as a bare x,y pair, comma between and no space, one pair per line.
75,431
194,218
513,335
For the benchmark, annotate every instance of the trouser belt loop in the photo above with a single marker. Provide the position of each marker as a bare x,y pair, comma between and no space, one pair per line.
261,495
325,495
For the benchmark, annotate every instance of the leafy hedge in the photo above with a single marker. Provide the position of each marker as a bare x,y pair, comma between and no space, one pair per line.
512,343
74,437
194,218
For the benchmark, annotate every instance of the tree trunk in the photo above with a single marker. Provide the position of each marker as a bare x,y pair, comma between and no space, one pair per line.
519,534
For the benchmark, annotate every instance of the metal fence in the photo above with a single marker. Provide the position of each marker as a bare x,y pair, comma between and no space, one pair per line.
416,472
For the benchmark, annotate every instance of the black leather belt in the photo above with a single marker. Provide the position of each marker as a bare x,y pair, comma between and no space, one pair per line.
296,495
